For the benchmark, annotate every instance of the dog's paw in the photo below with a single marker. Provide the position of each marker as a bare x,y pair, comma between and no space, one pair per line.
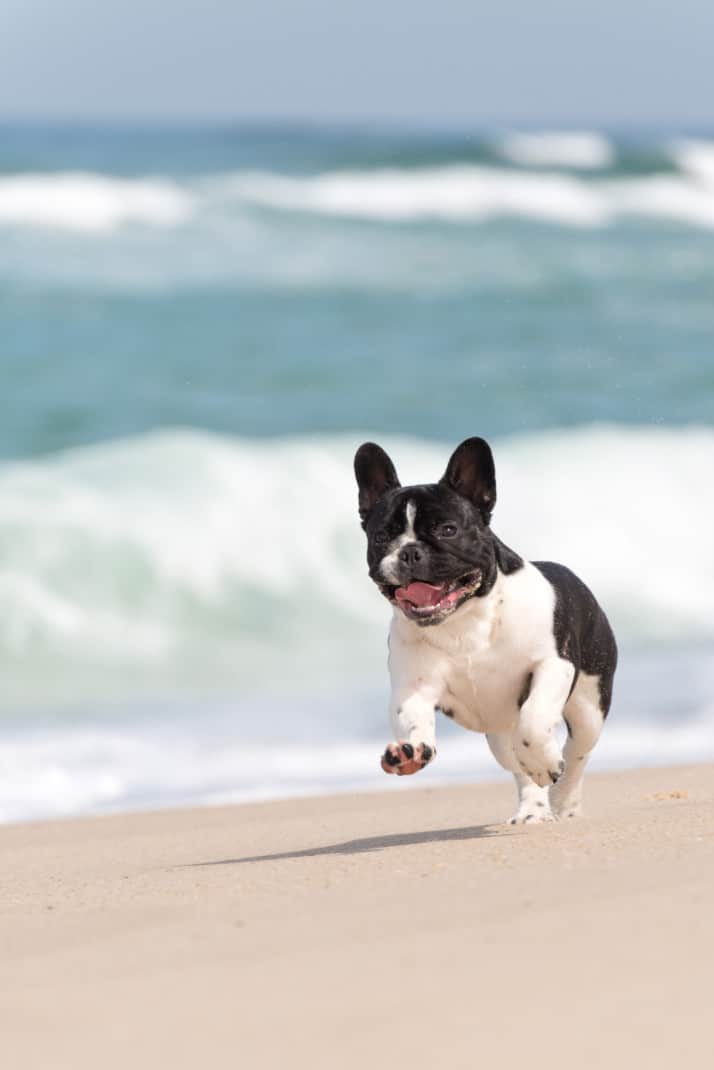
565,806
541,761
532,813
407,758
573,811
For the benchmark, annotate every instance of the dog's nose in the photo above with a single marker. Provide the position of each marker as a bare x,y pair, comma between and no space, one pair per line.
410,555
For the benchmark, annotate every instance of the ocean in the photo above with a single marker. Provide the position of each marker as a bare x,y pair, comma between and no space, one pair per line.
197,328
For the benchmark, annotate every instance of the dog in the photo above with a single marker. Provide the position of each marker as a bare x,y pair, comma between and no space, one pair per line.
499,644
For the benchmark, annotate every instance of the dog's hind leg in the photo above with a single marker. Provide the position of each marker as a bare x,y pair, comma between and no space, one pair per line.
534,739
533,802
584,718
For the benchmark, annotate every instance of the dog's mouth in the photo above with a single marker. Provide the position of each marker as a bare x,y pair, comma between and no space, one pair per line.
428,603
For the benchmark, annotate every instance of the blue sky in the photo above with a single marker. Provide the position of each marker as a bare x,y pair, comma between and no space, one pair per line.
454,61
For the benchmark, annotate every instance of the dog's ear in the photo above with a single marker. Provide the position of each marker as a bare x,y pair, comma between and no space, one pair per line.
375,476
472,474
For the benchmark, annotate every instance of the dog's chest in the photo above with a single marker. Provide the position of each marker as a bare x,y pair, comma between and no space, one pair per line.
480,659
483,682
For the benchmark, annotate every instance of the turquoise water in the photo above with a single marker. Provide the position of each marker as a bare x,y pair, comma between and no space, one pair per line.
197,327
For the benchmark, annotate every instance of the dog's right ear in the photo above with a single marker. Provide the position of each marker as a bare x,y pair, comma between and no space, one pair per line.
375,476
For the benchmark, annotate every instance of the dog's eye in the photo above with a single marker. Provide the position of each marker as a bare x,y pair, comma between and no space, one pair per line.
381,538
447,531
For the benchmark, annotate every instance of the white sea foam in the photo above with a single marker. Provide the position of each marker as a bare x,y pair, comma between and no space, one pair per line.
186,558
94,205
584,150
152,761
91,202
695,158
666,197
454,193
478,194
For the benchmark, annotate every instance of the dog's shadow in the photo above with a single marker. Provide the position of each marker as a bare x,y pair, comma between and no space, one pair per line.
365,845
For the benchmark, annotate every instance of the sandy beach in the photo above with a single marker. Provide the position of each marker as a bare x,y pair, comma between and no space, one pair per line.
364,930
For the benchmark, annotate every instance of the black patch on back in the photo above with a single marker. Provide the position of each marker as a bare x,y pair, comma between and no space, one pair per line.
582,631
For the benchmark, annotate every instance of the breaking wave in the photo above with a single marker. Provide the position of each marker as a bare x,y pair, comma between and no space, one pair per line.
580,150
94,204
695,158
188,561
91,202
479,194
187,617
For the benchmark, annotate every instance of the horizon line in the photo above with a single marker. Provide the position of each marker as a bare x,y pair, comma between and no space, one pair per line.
376,124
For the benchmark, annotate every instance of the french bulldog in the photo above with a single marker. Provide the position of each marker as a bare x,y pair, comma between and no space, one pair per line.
501,645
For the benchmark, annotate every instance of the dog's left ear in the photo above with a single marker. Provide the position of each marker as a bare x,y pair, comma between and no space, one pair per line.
472,474
375,475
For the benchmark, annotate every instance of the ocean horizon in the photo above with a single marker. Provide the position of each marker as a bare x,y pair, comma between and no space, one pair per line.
199,327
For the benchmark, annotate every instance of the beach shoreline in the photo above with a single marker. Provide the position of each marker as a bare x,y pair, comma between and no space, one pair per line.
354,929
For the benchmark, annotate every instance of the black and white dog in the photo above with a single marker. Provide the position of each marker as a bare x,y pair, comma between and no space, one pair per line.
501,645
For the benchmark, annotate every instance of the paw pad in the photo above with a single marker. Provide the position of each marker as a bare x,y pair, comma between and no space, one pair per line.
404,759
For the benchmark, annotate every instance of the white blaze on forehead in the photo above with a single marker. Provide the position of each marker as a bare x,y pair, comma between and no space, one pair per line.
390,561
411,517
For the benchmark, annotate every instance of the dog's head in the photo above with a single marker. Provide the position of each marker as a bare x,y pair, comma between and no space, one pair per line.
429,547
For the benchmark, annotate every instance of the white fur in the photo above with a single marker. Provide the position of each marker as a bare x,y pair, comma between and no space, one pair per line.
390,562
533,801
474,664
584,716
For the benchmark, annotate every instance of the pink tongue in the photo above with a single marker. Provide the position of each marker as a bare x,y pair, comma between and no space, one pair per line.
419,594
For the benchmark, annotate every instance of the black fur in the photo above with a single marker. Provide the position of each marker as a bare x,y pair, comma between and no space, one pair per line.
375,475
475,547
472,473
454,543
582,631
462,499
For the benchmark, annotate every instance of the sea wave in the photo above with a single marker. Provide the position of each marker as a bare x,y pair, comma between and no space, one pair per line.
478,194
451,194
695,157
96,204
187,560
581,150
91,203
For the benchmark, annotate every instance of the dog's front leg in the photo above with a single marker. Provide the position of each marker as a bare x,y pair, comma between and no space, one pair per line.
412,712
534,742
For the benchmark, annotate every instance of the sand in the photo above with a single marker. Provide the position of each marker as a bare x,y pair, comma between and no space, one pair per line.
366,930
